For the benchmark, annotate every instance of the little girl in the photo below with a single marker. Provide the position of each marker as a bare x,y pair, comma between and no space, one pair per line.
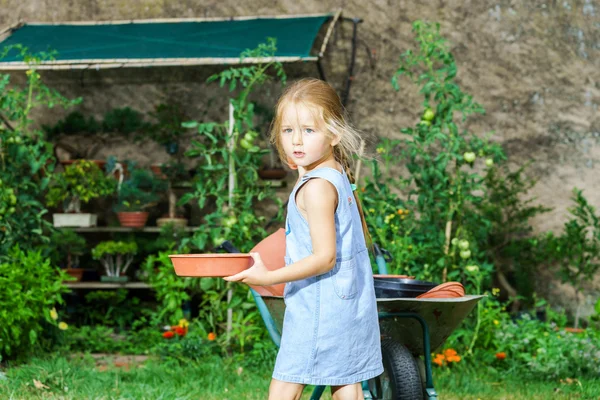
330,329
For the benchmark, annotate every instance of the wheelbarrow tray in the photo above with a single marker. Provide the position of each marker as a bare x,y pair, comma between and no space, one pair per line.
441,315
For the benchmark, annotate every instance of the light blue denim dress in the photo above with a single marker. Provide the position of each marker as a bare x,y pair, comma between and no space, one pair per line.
330,328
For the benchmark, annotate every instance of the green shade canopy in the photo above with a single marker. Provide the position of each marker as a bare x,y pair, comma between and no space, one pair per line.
163,42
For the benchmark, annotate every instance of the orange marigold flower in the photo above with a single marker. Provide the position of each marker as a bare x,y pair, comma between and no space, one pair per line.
180,331
212,336
439,359
450,352
168,334
453,358
501,355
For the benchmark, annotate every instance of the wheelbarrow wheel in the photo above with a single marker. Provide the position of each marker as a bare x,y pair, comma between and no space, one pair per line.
401,379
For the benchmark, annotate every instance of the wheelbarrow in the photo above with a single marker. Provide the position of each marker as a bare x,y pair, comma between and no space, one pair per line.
411,328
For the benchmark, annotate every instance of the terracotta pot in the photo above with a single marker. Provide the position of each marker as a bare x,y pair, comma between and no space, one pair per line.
210,265
440,294
445,290
272,173
133,219
76,273
272,253
574,330
156,168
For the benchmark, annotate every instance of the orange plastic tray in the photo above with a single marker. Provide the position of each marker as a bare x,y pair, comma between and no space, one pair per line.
210,265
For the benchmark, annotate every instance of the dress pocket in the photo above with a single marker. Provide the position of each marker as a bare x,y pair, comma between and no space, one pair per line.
344,279
288,285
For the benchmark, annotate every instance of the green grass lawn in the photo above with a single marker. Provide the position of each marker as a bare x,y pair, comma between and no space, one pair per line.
86,378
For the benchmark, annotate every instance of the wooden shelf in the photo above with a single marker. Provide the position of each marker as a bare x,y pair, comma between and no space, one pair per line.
107,285
125,229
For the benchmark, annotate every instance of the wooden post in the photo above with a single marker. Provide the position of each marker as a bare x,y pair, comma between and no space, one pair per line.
231,147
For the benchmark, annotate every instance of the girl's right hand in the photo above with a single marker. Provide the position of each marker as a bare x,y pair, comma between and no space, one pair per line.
257,274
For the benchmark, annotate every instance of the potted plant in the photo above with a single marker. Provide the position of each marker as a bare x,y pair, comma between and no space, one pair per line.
81,182
168,132
67,246
136,193
115,257
167,129
172,172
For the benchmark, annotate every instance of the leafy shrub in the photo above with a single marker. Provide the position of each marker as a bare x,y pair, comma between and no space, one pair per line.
31,287
27,159
81,182
139,191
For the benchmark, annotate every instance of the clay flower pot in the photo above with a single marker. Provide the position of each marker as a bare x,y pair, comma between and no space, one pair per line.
133,219
157,169
444,291
210,265
76,273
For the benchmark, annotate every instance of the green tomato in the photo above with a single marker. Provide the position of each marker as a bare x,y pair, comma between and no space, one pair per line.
463,244
454,241
10,140
246,144
425,123
469,156
465,254
489,162
249,137
18,140
13,199
218,241
11,210
428,114
230,221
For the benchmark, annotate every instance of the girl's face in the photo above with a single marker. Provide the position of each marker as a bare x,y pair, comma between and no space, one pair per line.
304,137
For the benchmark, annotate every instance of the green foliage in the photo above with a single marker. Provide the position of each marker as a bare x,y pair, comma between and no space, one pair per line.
74,123
118,120
81,181
139,191
111,308
536,350
444,183
104,339
170,290
25,158
194,346
220,154
31,287
167,128
578,249
115,257
123,120
112,247
455,188
509,243
65,244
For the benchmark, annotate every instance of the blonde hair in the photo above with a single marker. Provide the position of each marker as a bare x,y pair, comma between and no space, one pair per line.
319,95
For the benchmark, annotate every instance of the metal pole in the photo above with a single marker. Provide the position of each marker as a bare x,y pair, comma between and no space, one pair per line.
355,22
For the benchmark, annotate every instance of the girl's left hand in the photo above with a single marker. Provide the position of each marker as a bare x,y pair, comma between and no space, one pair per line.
258,274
